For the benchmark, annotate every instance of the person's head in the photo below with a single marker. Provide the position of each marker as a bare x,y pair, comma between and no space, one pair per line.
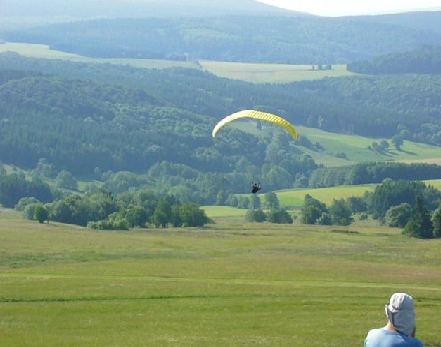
401,313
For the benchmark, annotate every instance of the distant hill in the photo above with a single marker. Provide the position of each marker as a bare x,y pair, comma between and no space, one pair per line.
82,115
47,11
426,60
240,38
428,21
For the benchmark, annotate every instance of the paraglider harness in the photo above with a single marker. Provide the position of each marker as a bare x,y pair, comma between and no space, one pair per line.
256,187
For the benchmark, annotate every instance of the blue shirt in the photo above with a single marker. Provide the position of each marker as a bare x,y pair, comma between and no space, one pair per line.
385,338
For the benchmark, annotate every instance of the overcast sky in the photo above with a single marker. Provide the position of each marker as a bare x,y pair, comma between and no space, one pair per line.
354,7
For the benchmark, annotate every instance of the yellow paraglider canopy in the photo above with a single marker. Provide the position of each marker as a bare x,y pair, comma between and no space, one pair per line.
269,117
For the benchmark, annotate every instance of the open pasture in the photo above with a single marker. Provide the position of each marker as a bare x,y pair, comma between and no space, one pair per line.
271,73
255,73
45,52
356,149
295,198
228,284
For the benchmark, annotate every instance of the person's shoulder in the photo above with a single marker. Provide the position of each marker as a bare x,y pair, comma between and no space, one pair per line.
416,342
376,331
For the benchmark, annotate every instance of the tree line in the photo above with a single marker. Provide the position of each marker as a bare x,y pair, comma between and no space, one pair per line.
410,205
425,60
104,211
372,172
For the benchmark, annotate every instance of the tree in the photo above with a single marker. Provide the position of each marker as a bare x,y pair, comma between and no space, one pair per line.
192,215
66,180
176,218
23,202
393,193
271,201
436,222
41,213
163,214
257,216
136,216
420,224
340,213
356,204
29,211
397,141
398,216
312,210
280,216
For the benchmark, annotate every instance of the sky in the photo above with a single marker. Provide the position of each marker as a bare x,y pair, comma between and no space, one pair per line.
334,8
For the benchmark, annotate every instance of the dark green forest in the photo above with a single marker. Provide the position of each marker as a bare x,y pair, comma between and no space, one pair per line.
108,96
262,39
425,60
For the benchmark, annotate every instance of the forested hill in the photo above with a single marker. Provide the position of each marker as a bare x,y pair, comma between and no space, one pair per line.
81,116
425,21
83,9
426,60
269,39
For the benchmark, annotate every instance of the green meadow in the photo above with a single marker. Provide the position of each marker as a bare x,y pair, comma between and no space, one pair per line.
272,73
356,149
44,52
256,73
353,146
227,284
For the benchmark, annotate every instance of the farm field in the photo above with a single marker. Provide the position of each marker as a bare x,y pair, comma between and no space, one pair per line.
228,284
256,73
271,73
44,52
356,149
353,146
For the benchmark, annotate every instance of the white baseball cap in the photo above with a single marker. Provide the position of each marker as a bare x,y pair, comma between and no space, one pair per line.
401,313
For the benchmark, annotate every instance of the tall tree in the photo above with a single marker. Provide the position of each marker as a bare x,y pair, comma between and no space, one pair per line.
340,213
420,224
436,222
312,210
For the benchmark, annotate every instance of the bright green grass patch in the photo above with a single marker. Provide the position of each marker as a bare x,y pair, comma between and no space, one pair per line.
356,149
223,211
295,198
353,146
258,73
44,52
222,285
434,183
271,73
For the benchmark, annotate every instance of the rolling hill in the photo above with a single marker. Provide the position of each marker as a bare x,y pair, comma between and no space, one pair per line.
234,31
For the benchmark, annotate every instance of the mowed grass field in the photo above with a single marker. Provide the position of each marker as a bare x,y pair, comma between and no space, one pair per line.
356,149
228,284
272,73
44,52
255,73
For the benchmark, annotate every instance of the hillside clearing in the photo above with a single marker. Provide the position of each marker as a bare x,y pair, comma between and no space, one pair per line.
272,73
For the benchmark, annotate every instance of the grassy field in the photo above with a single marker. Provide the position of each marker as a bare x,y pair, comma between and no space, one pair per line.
44,52
271,73
256,73
355,147
294,198
223,285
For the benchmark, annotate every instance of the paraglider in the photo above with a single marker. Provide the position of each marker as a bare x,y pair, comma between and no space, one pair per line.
253,114
269,117
255,187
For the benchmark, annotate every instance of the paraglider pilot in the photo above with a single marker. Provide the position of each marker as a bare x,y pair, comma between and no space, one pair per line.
256,187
